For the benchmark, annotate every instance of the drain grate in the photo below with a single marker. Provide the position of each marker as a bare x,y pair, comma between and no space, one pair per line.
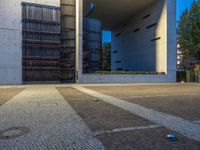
13,132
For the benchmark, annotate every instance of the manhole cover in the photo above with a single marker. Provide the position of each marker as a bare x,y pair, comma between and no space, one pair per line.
14,132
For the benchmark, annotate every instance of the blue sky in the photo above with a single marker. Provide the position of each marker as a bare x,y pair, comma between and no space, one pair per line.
181,6
106,36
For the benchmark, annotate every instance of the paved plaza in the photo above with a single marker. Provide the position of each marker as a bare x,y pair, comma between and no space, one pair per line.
104,116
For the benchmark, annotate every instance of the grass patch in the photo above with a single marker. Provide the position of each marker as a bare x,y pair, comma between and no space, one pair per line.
129,73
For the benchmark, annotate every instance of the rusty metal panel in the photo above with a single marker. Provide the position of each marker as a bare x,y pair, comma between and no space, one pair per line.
68,40
41,43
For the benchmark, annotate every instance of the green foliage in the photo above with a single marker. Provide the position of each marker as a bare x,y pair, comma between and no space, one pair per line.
181,76
189,32
106,56
129,73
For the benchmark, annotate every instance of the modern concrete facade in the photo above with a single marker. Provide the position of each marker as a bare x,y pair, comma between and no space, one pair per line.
141,44
143,39
11,39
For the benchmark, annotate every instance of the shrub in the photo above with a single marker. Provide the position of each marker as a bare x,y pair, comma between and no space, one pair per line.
129,73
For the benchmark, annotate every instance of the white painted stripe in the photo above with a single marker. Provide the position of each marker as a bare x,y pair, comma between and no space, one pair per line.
174,123
197,122
134,128
127,129
152,96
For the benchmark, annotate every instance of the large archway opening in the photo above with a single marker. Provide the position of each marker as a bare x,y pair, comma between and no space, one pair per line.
138,29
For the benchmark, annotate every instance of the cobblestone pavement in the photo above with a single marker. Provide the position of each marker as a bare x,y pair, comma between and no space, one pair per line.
7,93
180,125
39,118
42,120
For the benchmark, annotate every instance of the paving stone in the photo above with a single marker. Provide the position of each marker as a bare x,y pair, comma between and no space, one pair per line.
51,128
180,125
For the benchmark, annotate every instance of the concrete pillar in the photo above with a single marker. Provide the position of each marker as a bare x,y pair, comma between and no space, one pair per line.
171,40
79,40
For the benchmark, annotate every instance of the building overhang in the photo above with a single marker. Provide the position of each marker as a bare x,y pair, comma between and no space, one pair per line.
114,13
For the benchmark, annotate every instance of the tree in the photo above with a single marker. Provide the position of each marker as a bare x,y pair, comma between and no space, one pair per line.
195,29
106,56
189,32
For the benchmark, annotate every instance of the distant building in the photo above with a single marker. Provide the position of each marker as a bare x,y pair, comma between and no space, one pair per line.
179,59
185,64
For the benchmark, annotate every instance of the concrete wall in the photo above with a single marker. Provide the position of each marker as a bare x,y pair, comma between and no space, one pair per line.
93,78
171,39
133,49
137,52
11,44
11,39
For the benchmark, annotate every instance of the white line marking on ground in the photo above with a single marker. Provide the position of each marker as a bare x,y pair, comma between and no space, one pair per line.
134,128
197,122
180,125
127,129
152,96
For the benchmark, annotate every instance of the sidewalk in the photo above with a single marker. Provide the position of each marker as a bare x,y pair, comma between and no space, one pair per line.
47,120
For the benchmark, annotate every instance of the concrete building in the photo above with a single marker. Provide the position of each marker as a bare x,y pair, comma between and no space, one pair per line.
180,66
143,39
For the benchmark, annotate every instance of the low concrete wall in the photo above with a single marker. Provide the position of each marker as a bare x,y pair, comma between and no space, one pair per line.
109,78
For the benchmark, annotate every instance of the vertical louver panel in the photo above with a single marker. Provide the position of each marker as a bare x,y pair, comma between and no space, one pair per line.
92,45
68,40
41,43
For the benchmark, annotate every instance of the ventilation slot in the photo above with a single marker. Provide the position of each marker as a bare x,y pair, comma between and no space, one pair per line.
152,25
147,16
136,30
114,52
156,39
118,34
118,62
